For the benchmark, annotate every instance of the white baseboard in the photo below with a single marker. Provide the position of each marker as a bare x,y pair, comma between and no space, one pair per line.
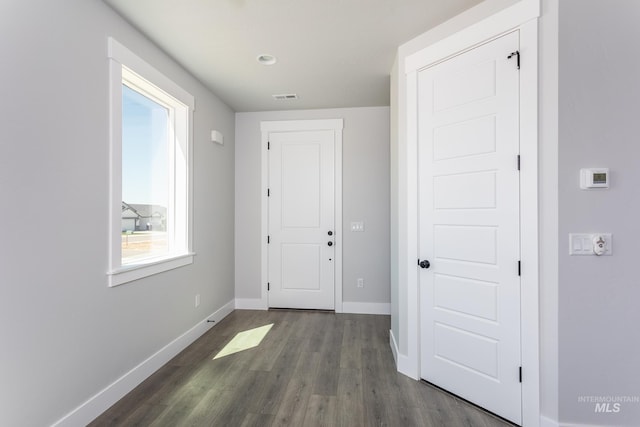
250,304
394,347
548,422
366,307
115,391
558,424
347,307
403,363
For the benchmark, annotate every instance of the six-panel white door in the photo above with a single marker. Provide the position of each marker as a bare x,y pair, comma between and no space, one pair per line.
469,226
301,219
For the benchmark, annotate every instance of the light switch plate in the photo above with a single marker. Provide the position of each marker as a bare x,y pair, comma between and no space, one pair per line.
582,243
357,226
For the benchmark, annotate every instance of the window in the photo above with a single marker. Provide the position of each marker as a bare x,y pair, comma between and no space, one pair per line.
150,215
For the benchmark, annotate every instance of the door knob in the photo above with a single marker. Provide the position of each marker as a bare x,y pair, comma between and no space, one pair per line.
330,243
424,264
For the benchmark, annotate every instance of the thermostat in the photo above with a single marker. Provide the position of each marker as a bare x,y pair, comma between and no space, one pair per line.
594,178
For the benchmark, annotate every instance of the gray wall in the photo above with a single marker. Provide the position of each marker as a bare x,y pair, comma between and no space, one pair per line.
365,196
65,334
599,111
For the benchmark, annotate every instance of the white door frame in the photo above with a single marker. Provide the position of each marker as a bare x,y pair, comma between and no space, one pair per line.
266,127
522,17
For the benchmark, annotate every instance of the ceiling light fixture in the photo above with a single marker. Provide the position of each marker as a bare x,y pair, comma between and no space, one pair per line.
265,59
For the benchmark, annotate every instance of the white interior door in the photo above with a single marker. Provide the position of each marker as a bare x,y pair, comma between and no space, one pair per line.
301,247
469,226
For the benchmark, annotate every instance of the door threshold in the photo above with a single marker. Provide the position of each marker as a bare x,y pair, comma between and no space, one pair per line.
309,310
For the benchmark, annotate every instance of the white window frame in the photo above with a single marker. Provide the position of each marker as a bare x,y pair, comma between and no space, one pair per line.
124,65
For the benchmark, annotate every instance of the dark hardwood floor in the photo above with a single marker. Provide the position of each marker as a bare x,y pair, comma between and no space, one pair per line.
311,369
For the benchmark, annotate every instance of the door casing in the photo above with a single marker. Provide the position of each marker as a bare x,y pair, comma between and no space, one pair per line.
336,126
524,17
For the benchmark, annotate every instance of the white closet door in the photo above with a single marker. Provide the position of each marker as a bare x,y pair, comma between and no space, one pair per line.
468,130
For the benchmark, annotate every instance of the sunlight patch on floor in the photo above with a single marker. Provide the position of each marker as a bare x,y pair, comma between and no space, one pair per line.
244,341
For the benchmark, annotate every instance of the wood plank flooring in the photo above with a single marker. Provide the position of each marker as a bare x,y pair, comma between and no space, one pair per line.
311,369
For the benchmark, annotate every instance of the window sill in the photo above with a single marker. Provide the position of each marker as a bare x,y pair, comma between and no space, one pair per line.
131,272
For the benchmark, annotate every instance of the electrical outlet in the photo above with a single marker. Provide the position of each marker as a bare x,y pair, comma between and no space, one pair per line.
360,282
197,300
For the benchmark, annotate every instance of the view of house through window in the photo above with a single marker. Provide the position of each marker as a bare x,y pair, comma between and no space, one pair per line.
146,146
150,170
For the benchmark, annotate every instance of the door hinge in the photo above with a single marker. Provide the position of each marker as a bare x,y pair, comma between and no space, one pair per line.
268,145
520,373
268,192
268,286
268,239
519,268
518,161
517,55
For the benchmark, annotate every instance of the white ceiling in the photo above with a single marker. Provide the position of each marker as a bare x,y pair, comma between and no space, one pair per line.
332,53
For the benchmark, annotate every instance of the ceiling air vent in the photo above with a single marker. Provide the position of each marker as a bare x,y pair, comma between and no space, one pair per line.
285,96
